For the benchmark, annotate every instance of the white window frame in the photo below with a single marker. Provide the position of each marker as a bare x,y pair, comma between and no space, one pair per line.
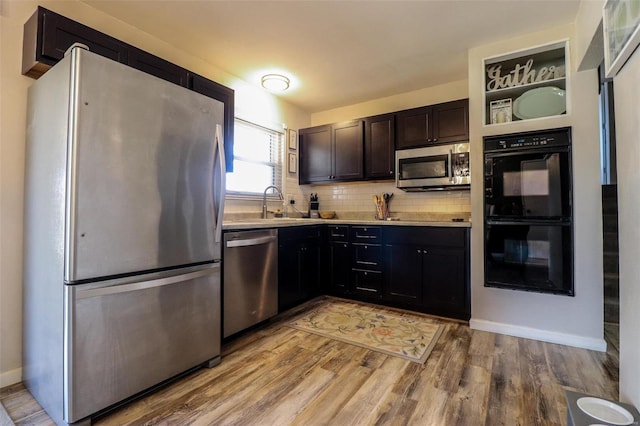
279,164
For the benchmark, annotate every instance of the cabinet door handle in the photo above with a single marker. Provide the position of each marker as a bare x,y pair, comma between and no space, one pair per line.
435,139
419,251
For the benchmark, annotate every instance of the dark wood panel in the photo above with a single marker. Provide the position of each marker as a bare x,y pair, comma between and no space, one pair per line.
413,128
451,122
348,151
403,271
432,236
339,267
447,122
445,284
48,35
158,67
299,265
379,148
316,155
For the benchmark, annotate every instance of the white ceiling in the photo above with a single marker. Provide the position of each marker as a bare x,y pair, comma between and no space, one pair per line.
340,52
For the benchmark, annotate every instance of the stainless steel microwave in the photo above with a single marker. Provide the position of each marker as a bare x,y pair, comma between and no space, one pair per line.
440,167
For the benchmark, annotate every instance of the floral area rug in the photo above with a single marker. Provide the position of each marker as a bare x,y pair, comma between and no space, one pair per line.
410,338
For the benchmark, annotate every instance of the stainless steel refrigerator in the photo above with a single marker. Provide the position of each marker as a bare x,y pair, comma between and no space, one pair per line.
123,215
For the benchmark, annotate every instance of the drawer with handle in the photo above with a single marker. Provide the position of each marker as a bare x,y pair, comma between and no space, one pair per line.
367,256
367,283
338,233
366,234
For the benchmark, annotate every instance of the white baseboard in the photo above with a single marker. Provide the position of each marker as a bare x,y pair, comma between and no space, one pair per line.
11,377
542,335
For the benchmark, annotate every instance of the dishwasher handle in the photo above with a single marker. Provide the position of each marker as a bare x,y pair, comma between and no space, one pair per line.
251,241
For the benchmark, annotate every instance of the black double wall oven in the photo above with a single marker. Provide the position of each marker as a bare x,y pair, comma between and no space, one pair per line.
528,219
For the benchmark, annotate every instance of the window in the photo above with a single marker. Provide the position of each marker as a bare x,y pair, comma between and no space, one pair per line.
257,160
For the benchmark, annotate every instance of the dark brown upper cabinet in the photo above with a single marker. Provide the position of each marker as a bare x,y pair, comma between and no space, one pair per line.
435,124
348,150
315,154
158,67
48,35
379,147
331,153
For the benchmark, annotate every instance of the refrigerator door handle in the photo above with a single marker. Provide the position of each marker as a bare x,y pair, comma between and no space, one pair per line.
219,203
126,288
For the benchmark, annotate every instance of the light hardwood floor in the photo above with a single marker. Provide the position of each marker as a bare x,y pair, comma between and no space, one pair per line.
277,375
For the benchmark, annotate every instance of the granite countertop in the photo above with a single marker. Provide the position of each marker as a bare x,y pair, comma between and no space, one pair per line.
244,221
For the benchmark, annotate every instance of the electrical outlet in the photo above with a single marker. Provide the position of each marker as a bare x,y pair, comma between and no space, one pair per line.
291,199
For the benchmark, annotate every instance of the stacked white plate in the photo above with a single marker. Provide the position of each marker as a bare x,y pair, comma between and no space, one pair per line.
540,102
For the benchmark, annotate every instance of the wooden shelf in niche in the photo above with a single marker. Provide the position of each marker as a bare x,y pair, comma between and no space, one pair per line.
527,72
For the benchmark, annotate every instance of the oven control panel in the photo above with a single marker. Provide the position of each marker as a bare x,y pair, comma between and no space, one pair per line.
527,140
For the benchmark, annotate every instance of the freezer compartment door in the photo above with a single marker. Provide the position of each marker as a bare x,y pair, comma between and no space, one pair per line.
123,339
142,166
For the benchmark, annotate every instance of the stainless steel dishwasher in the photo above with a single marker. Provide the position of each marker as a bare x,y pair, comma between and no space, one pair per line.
250,283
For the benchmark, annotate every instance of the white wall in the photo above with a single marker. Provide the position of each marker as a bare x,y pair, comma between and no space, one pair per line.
626,86
251,102
417,98
578,320
589,40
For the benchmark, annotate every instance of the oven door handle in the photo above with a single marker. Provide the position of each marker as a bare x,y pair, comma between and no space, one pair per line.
533,221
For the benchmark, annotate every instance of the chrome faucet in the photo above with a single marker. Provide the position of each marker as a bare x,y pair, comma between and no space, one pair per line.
264,199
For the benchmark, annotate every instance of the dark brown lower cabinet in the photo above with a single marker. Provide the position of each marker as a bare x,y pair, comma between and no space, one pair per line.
419,268
444,282
339,267
427,269
298,265
403,268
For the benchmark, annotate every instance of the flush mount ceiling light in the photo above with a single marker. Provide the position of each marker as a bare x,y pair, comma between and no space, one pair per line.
275,82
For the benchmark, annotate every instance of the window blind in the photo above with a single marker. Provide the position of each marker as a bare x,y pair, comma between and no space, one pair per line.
257,161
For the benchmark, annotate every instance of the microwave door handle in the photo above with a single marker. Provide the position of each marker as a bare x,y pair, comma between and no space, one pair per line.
451,179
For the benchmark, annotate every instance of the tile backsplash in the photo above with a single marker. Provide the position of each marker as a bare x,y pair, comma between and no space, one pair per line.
357,197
